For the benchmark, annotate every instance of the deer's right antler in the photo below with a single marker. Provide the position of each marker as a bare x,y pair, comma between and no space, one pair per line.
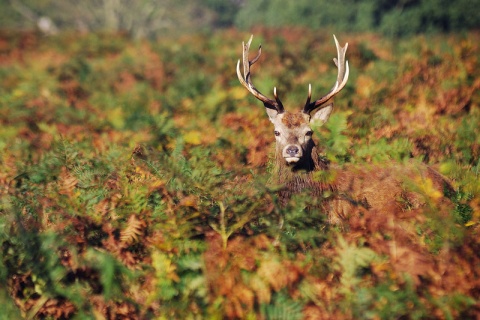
246,79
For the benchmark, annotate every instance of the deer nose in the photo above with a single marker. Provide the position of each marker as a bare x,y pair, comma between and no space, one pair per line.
292,151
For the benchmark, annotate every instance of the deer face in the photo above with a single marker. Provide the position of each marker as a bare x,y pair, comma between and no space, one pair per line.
293,132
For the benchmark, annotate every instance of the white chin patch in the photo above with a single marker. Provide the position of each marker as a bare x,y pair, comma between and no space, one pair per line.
292,159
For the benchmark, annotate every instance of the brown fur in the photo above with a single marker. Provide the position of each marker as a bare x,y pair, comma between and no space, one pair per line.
292,120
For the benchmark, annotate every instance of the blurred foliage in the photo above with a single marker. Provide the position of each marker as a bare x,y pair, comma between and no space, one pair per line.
134,178
155,18
138,18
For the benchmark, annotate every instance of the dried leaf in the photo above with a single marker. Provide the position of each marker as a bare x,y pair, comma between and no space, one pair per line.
133,230
67,182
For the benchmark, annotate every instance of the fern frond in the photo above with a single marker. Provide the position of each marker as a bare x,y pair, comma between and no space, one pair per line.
67,182
283,308
133,230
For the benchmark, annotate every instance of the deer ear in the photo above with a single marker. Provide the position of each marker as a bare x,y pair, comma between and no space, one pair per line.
321,115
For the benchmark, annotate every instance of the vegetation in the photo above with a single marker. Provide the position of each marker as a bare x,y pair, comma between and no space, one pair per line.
392,18
134,179
153,18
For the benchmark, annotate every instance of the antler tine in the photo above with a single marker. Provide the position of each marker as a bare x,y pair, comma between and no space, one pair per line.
309,94
342,77
246,79
277,99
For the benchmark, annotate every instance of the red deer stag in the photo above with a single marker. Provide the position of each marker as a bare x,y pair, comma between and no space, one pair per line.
297,158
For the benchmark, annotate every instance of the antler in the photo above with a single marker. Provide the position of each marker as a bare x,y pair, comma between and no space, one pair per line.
342,78
246,79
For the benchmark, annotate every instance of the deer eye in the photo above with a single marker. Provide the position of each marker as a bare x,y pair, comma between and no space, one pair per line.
277,133
309,133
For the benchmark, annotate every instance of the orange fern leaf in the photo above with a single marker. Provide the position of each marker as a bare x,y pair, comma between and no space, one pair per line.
133,230
67,182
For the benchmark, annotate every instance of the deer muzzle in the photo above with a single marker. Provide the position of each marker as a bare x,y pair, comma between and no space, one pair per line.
292,153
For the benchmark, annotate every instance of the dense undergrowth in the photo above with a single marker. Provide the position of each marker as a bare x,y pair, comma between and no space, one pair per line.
134,179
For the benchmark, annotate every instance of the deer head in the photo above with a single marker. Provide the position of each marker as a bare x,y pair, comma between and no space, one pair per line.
293,131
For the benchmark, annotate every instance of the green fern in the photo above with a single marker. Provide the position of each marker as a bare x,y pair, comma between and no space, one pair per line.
282,307
336,144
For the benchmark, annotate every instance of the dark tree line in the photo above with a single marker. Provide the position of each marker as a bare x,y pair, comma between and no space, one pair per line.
145,18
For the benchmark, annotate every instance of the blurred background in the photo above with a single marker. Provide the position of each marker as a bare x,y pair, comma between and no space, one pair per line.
152,18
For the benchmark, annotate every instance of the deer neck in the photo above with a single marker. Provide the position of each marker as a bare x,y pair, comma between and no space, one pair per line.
300,176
